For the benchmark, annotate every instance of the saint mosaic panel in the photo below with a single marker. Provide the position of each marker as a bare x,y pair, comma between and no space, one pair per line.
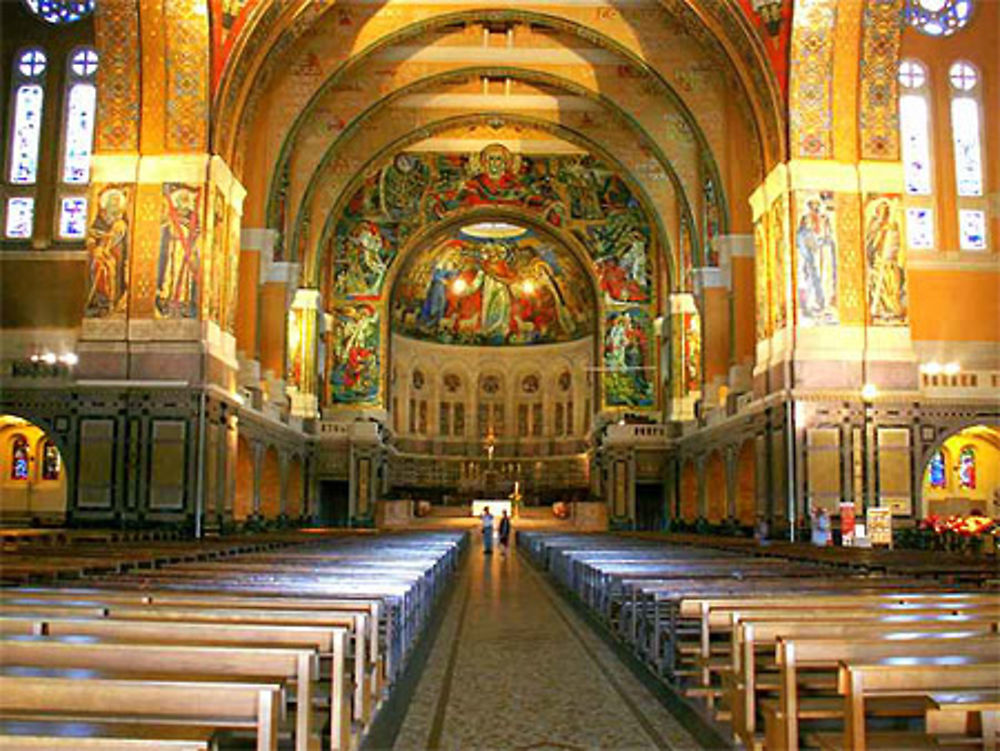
107,245
816,259
885,260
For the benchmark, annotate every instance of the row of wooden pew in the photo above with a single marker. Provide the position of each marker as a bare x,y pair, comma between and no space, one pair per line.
786,654
297,643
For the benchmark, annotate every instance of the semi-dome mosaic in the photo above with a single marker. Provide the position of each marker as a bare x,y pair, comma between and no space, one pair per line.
493,283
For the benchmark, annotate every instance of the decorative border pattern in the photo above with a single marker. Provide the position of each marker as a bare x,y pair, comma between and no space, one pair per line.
116,33
878,113
811,95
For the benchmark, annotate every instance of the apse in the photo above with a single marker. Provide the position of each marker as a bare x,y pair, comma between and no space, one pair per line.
493,283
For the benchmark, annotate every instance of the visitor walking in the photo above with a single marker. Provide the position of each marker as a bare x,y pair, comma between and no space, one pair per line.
504,533
487,520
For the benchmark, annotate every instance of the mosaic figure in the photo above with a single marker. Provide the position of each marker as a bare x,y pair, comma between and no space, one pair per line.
179,278
107,246
884,255
626,354
816,247
354,373
777,263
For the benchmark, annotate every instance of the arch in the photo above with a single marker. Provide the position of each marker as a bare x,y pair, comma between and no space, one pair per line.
27,493
953,498
716,487
384,157
746,483
270,484
295,506
687,189
689,491
243,503
720,26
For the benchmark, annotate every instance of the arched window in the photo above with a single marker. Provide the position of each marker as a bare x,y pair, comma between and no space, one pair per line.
966,134
78,141
938,17
937,476
967,468
914,127
51,461
28,86
19,459
60,11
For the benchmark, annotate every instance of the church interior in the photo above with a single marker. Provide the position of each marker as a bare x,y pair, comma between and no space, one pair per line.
701,297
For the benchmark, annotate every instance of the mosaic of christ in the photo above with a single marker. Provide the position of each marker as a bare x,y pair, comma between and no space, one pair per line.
490,284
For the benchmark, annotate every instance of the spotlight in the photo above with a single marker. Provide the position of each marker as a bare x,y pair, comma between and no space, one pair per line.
70,359
952,368
458,286
49,358
931,368
869,391
528,287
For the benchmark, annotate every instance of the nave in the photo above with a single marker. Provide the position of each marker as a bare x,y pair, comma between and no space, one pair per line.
415,640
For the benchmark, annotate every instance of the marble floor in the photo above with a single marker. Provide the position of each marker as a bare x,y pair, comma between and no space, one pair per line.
514,667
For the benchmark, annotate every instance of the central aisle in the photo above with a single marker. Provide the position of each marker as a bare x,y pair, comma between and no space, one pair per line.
513,667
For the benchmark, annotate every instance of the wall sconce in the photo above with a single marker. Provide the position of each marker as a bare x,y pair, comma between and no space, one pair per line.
770,13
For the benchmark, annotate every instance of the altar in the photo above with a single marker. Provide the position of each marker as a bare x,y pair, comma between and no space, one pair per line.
496,506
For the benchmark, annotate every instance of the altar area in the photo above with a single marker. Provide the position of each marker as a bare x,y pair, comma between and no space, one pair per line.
496,507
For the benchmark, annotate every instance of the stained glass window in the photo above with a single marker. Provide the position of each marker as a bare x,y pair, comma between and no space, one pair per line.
60,11
938,17
20,217
968,154
937,475
920,228
967,468
51,462
972,229
19,461
914,125
80,114
29,94
73,218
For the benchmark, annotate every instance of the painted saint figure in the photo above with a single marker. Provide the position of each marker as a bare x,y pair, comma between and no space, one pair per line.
178,279
817,256
107,244
886,275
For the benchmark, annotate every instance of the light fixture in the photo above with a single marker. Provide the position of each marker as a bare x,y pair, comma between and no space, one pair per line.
70,358
931,368
952,368
458,286
528,286
869,391
770,13
49,358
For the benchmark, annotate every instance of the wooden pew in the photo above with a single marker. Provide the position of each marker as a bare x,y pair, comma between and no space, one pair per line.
328,641
910,676
54,735
228,704
356,624
797,649
221,598
273,663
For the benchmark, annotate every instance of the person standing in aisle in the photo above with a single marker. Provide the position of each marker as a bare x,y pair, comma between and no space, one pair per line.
504,533
487,520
